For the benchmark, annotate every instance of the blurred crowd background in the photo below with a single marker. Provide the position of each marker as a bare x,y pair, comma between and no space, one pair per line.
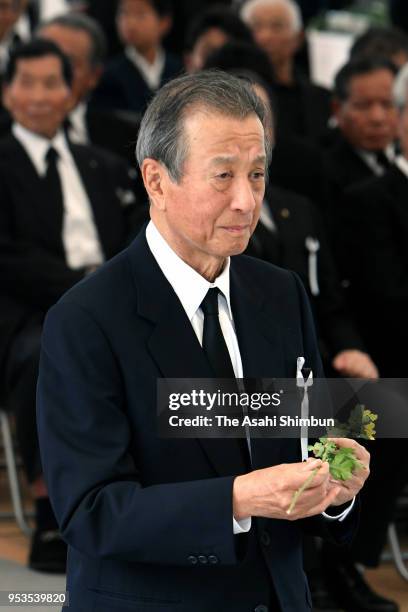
76,77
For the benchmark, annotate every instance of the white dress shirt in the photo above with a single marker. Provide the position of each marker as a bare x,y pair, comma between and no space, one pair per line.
79,234
77,131
191,288
371,160
402,163
152,73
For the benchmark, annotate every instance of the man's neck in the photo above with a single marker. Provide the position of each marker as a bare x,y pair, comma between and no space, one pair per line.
150,54
283,73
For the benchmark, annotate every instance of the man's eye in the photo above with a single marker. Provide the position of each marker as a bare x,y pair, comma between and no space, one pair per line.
258,175
224,175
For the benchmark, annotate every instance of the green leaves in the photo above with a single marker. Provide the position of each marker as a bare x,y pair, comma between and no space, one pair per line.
342,461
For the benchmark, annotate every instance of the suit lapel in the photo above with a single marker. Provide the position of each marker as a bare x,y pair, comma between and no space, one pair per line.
91,174
50,216
174,346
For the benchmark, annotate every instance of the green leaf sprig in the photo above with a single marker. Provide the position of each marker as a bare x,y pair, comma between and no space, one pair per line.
342,461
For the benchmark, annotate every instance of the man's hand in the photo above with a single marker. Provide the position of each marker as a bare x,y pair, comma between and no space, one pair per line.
355,364
347,489
268,492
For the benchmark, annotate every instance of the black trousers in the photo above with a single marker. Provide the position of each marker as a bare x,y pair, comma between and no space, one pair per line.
20,394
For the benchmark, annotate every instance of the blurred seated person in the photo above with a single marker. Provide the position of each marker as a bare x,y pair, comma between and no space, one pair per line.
211,29
290,233
82,39
303,108
296,163
381,41
367,126
131,79
65,209
375,251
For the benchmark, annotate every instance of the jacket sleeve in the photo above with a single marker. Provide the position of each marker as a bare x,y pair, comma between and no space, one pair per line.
102,507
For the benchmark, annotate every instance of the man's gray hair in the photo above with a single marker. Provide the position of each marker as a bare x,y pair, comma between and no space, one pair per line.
83,23
161,135
401,88
293,9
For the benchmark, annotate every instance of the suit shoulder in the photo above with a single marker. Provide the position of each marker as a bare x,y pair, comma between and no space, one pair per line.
261,271
107,158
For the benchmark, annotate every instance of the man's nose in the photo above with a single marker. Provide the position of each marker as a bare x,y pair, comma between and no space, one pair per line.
243,198
377,113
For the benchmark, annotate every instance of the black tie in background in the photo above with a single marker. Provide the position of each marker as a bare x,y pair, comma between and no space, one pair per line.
382,160
52,181
214,345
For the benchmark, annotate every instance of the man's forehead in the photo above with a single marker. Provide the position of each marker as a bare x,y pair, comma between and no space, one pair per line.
46,65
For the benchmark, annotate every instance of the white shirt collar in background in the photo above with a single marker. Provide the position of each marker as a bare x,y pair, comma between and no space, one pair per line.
37,146
78,131
151,73
402,164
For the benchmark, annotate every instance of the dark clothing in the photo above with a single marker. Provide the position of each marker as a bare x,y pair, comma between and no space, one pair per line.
373,251
297,221
303,109
122,86
298,165
33,268
149,519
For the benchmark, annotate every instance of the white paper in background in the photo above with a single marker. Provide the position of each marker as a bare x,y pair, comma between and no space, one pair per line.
328,51
51,8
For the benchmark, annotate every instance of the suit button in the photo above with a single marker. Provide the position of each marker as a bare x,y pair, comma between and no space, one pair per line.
192,559
265,538
213,559
261,608
203,559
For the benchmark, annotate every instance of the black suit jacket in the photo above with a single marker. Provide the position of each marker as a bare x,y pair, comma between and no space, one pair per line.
296,221
373,250
123,87
148,520
32,261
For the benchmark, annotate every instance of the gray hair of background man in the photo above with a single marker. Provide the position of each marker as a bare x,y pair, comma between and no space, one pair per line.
161,135
292,7
401,88
83,23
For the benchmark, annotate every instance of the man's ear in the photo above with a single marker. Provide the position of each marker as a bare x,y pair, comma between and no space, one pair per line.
155,178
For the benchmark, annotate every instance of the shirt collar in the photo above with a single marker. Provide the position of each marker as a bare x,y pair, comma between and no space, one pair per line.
151,72
402,164
189,286
37,146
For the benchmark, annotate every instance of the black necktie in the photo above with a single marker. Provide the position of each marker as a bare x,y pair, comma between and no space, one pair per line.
52,181
382,160
214,344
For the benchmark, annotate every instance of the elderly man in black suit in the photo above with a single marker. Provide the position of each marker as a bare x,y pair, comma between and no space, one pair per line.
156,522
64,211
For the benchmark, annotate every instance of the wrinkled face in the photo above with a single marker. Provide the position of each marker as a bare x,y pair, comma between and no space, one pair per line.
211,213
77,46
38,97
207,43
10,11
368,118
139,25
272,28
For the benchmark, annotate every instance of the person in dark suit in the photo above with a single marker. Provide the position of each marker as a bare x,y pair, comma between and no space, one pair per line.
303,108
131,78
367,127
83,41
377,221
64,210
154,522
